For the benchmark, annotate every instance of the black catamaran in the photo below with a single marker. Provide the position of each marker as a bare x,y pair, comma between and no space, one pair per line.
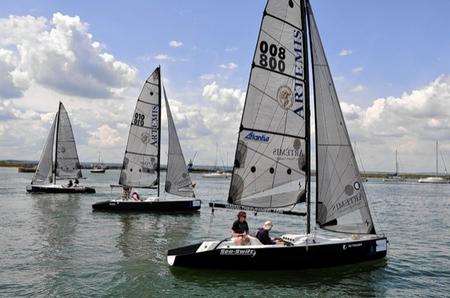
141,163
272,163
59,160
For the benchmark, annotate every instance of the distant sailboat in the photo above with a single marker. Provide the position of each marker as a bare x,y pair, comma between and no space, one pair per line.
141,164
395,177
436,179
217,173
272,163
99,167
59,160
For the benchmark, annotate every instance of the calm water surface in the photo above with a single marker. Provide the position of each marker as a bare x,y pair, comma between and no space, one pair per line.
54,245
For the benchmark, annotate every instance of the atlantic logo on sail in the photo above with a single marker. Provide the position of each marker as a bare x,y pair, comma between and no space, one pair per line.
257,137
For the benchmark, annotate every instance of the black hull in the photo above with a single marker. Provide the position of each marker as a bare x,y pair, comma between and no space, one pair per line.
279,258
39,189
163,206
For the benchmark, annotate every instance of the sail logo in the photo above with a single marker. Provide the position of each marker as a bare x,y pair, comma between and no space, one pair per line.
238,252
257,137
348,203
154,125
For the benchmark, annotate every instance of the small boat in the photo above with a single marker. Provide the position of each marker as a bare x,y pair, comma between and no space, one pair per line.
59,160
98,168
272,168
26,169
217,174
142,164
395,177
436,179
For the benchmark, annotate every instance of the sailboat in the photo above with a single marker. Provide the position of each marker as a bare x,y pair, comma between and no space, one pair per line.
99,167
59,160
141,164
272,169
436,179
395,177
217,173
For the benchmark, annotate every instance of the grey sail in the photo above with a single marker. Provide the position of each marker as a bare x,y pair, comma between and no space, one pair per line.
270,163
141,160
44,171
178,180
67,162
341,200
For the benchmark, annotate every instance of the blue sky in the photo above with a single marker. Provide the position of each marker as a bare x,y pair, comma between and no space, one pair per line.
377,49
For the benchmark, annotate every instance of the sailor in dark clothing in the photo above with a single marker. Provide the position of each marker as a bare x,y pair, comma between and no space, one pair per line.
240,229
70,184
263,234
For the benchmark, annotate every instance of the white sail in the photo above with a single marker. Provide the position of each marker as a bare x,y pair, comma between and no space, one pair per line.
178,180
67,162
44,171
141,161
341,200
270,161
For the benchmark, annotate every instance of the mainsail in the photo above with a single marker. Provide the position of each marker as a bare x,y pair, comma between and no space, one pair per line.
67,162
44,170
341,200
178,180
141,161
270,163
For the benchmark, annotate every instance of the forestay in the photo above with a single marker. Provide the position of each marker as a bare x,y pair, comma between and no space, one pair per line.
270,163
67,162
341,200
44,171
141,160
178,180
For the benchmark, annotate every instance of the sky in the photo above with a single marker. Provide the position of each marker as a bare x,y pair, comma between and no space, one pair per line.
390,61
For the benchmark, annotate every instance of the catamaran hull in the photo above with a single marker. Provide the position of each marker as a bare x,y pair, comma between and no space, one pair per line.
59,189
279,258
148,206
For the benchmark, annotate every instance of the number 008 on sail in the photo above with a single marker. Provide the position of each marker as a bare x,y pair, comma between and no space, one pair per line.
272,168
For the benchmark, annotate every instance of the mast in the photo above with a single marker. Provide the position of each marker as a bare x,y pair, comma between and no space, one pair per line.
159,131
307,117
56,144
396,162
437,160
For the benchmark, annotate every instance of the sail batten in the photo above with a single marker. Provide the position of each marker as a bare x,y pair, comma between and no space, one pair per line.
341,203
141,159
178,180
270,162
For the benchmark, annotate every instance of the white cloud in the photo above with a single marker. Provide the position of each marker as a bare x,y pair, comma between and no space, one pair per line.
105,137
358,88
59,54
345,52
163,57
207,77
230,66
231,49
175,44
357,70
227,99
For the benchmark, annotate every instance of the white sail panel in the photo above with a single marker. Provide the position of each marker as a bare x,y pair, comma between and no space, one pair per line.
341,200
44,171
141,160
265,162
270,163
67,162
178,180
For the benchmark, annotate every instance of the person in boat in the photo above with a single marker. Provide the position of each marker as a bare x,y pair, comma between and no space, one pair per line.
126,190
263,234
240,229
135,196
70,184
76,182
